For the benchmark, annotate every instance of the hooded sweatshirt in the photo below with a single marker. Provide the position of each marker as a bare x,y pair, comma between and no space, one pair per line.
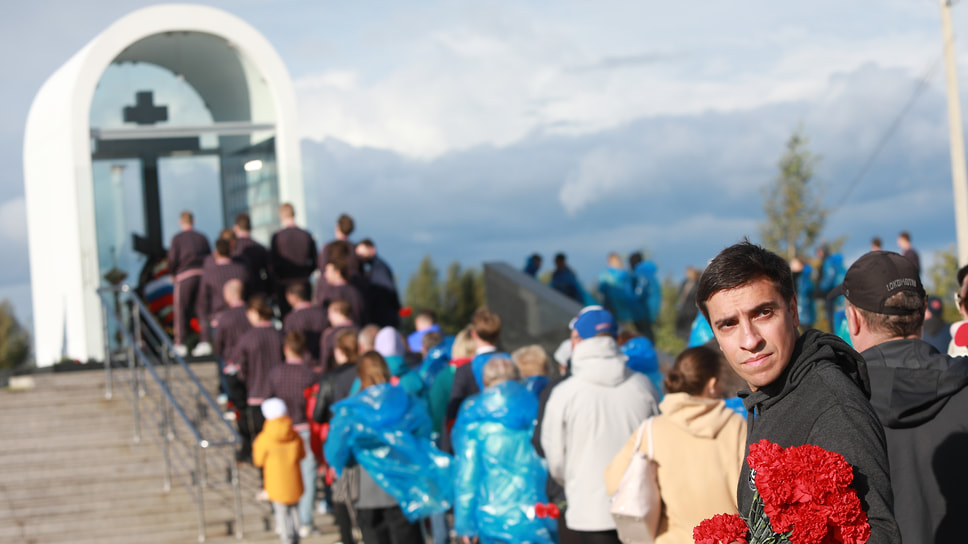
498,476
278,450
820,398
921,398
587,419
698,446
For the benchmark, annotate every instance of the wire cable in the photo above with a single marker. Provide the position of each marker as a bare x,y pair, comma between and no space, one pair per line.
891,129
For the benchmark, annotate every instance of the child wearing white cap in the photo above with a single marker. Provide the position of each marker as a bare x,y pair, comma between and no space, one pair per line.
278,450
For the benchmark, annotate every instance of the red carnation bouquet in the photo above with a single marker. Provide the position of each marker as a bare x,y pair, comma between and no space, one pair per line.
803,496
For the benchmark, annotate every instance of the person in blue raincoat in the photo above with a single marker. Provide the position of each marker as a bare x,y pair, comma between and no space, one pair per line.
831,274
803,280
499,479
615,287
644,359
403,477
648,293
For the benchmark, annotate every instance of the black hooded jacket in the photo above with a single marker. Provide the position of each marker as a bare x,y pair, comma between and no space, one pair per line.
921,398
821,399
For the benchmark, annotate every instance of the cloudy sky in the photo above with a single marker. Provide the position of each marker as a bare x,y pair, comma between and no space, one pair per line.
476,131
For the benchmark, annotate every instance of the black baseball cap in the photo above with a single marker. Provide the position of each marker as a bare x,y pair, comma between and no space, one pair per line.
876,277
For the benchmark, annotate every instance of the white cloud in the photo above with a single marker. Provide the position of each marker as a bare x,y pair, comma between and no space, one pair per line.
601,173
13,222
473,80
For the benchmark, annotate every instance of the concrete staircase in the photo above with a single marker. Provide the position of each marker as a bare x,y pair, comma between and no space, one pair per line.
70,471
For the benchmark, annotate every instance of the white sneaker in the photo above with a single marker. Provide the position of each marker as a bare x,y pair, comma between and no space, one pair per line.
181,350
305,531
322,508
202,349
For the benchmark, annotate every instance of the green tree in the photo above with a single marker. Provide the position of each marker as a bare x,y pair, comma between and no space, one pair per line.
14,340
454,302
463,293
423,291
943,281
795,215
665,329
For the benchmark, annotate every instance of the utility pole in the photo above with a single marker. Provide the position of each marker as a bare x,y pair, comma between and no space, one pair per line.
959,177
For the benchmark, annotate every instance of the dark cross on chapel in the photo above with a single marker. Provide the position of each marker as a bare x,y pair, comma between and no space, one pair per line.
147,149
144,111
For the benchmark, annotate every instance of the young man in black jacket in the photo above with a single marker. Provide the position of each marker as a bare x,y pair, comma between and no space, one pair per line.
809,389
919,394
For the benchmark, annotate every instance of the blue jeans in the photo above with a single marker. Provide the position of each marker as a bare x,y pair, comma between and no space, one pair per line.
438,528
307,466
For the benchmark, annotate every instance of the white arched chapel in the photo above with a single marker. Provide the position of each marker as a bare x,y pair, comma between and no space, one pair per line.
103,194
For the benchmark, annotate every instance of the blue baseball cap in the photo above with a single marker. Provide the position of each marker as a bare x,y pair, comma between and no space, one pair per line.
593,320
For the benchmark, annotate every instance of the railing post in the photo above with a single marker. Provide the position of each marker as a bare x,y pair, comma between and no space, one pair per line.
135,314
135,393
108,383
167,437
199,489
237,492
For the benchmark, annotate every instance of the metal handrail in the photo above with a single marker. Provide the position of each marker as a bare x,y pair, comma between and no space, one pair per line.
136,340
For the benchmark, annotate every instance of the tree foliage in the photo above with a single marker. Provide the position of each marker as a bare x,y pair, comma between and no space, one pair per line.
795,215
665,329
454,301
942,281
14,340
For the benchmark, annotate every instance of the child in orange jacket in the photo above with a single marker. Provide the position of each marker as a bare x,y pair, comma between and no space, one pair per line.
278,450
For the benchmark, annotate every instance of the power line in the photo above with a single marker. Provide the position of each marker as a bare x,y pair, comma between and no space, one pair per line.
891,129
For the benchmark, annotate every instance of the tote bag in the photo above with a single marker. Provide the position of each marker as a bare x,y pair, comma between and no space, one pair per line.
636,504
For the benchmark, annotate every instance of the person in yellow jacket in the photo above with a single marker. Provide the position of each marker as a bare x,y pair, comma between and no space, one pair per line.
278,450
698,446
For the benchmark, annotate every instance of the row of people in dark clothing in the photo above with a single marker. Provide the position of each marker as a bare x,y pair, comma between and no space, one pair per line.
351,272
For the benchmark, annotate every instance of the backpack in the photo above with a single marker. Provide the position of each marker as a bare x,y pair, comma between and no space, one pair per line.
636,504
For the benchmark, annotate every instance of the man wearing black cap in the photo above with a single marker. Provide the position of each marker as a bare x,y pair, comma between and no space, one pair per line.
919,395
809,388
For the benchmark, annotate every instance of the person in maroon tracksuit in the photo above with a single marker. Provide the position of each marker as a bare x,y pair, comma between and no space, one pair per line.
219,268
338,314
292,256
252,254
185,258
344,227
338,287
257,351
309,319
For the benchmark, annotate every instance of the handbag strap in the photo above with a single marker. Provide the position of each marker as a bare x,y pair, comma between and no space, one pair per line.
638,436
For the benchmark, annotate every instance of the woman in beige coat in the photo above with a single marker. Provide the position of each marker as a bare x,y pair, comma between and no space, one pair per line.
698,446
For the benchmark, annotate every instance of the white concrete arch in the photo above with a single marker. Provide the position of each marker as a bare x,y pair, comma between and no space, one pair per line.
254,86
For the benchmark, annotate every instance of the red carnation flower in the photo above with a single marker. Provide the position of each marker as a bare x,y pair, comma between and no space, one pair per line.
406,311
721,529
553,511
541,510
803,496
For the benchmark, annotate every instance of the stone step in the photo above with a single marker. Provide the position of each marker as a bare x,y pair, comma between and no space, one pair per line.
71,472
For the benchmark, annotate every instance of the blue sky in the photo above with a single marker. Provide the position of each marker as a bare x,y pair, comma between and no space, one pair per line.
476,132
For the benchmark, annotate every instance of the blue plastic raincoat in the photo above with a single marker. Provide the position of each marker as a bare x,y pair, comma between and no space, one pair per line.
806,305
648,290
387,432
701,332
643,358
618,296
833,275
498,476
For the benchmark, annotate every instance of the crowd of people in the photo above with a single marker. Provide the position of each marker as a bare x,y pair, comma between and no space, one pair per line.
428,436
